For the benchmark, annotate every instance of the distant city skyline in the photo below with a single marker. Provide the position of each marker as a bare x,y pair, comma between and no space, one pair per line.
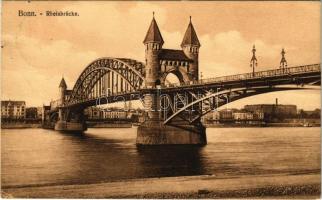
38,51
138,106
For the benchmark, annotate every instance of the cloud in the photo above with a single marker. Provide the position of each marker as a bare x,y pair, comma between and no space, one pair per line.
33,70
113,32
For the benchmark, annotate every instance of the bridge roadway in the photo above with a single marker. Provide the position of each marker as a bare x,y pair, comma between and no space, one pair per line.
299,76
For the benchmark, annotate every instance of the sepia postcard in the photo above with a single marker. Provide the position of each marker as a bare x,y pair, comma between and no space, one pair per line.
161,99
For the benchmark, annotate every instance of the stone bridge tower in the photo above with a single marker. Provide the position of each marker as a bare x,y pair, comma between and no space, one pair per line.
153,46
62,92
160,62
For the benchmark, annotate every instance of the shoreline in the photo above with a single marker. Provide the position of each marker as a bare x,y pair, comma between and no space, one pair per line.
286,125
203,186
32,126
20,126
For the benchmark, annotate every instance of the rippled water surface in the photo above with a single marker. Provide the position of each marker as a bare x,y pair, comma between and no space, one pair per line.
38,156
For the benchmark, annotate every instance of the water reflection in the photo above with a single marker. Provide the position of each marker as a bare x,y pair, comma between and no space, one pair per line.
170,160
99,156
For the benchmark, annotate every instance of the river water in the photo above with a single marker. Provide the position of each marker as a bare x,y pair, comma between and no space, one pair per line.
46,157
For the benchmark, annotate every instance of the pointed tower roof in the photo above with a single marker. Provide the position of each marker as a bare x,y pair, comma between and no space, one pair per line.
190,37
63,83
153,34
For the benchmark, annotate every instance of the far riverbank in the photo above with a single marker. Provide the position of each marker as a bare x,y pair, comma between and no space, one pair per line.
260,125
129,125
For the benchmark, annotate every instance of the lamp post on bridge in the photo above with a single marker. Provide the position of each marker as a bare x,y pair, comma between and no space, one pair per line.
201,76
253,61
283,63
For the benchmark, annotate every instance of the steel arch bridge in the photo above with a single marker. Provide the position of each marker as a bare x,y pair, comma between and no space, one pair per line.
110,80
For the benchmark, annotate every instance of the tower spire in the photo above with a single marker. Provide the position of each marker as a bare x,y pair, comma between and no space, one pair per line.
253,61
63,83
190,46
190,37
153,35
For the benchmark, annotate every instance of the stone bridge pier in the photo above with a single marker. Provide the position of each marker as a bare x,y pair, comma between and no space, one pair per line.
71,121
154,132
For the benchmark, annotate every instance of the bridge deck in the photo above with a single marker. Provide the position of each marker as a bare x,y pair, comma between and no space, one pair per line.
250,76
299,74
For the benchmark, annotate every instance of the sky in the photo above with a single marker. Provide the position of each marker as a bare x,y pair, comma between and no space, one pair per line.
38,51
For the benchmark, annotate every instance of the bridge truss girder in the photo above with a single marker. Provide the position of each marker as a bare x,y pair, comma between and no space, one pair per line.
107,76
191,106
201,99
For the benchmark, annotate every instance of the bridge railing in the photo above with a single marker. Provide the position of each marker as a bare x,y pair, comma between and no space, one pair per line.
260,74
97,98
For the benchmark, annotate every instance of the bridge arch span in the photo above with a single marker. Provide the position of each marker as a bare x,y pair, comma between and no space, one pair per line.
107,75
221,98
